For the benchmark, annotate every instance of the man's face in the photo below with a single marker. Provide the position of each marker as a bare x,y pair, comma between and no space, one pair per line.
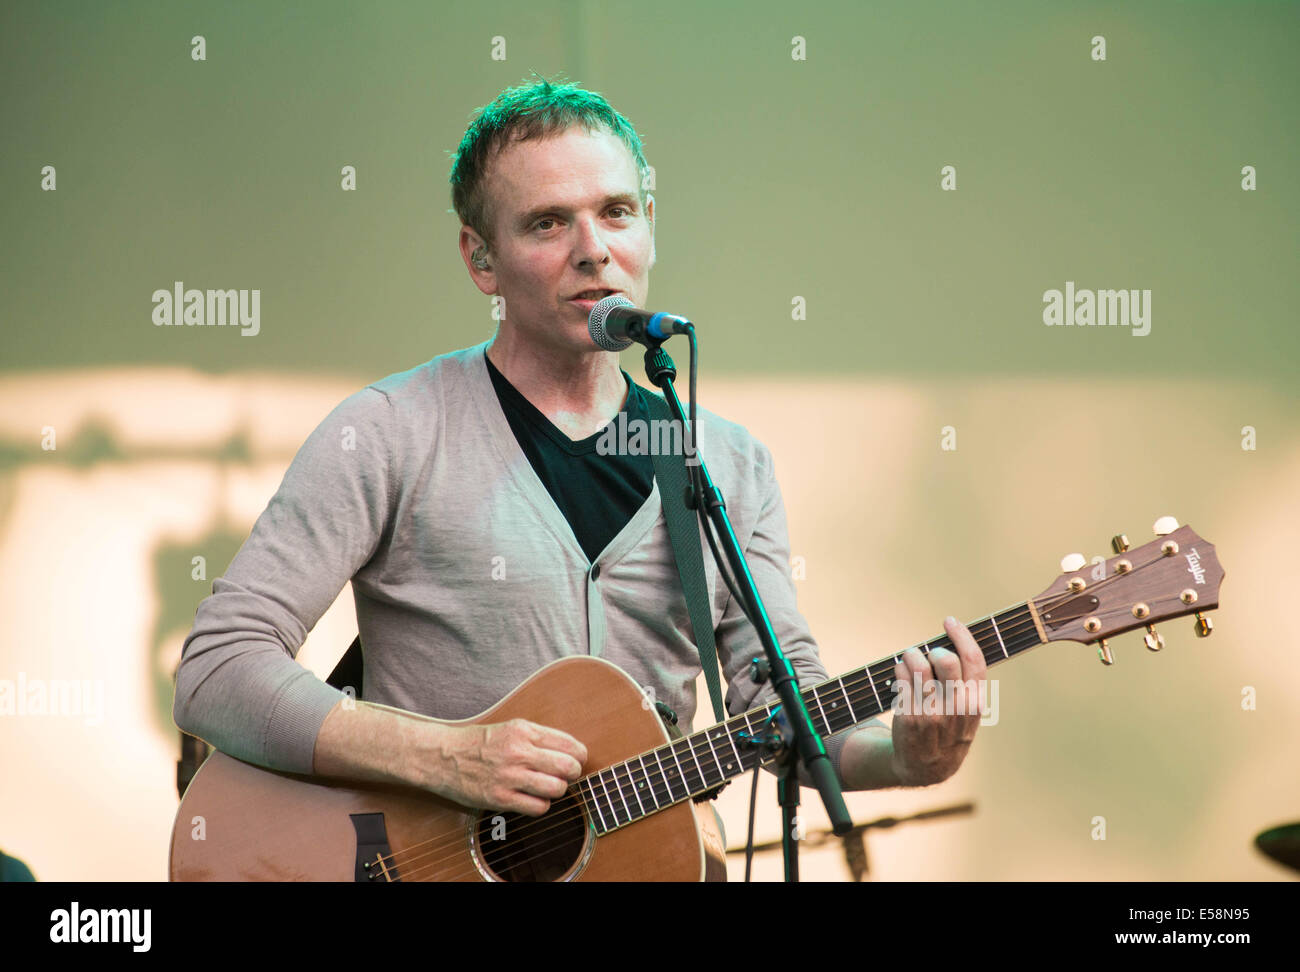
568,218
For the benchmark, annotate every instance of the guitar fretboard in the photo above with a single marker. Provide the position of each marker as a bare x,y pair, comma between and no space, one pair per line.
626,792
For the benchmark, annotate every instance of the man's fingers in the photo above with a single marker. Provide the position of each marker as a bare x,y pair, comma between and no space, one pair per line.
916,664
542,785
556,764
528,805
973,664
974,670
560,741
946,664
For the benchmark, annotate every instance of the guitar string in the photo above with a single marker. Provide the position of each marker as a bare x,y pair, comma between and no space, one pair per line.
566,804
563,804
620,788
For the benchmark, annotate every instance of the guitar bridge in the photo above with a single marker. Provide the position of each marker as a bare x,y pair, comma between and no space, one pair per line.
374,856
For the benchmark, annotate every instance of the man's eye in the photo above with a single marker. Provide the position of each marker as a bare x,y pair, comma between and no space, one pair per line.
538,224
621,209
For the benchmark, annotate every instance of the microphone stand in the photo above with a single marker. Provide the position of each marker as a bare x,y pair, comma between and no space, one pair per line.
808,745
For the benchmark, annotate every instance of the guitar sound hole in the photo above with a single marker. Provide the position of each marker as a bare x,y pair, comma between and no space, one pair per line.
519,848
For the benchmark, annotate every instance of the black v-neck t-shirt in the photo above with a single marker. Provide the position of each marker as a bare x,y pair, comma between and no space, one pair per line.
598,494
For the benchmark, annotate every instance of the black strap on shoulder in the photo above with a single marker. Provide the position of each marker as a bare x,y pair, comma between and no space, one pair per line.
684,531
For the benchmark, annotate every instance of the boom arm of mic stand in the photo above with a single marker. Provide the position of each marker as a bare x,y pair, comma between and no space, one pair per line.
661,371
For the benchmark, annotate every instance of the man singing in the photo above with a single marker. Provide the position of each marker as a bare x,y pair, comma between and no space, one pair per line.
484,533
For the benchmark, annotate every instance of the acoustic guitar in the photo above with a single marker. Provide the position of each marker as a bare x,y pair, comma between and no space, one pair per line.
631,818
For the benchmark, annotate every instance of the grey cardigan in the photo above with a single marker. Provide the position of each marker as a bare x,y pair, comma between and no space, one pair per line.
466,576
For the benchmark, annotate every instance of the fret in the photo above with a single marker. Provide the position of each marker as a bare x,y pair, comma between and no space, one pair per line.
681,774
618,791
722,773
767,718
994,621
651,785
698,768
1028,637
887,685
825,721
847,701
749,728
595,803
983,638
641,786
672,797
621,795
601,776
751,751
871,680
740,765
635,789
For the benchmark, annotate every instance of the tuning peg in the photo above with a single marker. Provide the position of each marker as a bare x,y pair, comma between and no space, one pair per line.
1119,543
1165,525
1104,653
1203,625
1072,562
1152,639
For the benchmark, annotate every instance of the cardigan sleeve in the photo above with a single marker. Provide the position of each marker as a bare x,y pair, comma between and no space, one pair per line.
239,685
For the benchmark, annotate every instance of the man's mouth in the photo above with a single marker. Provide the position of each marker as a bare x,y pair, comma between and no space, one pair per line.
593,295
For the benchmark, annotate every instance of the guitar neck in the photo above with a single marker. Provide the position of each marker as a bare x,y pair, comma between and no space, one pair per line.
626,792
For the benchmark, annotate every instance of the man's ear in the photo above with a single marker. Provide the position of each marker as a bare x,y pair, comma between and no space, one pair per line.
474,251
650,215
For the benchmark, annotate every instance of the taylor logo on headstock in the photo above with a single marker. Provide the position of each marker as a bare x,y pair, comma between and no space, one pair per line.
1140,586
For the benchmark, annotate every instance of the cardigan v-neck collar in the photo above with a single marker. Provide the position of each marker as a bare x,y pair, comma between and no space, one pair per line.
534,491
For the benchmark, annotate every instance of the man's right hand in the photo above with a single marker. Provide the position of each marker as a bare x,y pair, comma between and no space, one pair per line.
516,765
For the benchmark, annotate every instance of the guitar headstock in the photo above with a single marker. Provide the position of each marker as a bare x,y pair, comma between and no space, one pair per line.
1175,575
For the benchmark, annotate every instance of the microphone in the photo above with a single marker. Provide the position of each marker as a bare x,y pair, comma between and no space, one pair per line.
614,324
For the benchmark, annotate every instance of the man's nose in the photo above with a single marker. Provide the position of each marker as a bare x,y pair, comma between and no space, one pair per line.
590,245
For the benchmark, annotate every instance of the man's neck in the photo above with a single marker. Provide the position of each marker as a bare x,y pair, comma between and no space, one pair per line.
579,393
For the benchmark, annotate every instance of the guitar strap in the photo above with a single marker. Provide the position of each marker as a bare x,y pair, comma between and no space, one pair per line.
684,531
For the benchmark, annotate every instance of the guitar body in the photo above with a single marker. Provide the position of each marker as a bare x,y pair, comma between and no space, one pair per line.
261,825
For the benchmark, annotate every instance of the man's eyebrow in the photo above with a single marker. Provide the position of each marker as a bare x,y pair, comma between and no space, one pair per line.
627,198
